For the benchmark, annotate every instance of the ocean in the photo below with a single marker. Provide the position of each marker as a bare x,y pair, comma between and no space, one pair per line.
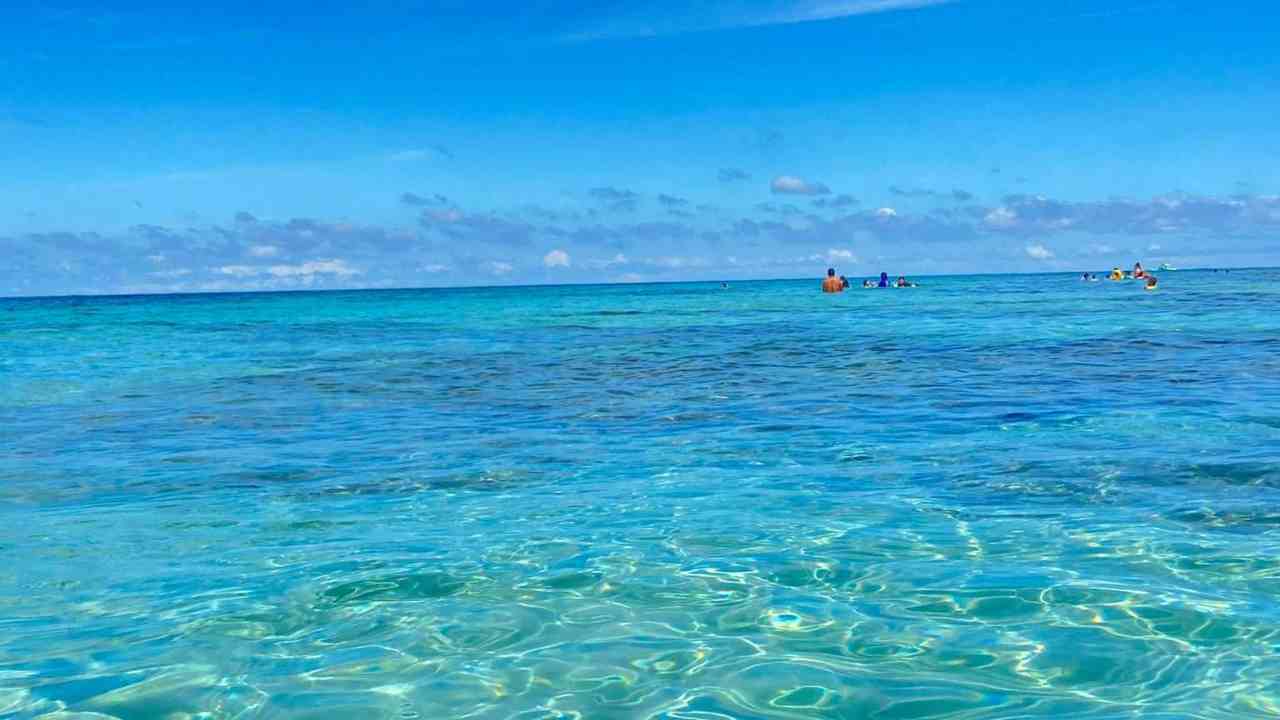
1005,496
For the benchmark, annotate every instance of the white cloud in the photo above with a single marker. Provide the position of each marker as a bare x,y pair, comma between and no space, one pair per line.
831,256
264,251
434,268
171,274
887,212
792,185
497,267
613,262
315,267
310,269
1153,247
157,259
1001,217
1039,252
556,258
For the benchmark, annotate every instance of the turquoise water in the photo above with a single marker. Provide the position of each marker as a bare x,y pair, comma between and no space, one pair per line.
988,497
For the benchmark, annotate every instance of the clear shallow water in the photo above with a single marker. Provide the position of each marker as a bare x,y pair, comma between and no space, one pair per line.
989,497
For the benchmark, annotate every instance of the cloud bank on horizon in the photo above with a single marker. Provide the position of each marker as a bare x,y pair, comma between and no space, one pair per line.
443,243
440,143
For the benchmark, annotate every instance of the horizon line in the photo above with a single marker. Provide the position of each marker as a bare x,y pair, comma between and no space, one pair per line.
562,284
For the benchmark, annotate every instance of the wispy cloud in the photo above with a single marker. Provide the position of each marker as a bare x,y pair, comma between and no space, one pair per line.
778,208
1165,214
430,152
701,17
616,199
264,251
436,200
498,268
956,194
792,185
837,202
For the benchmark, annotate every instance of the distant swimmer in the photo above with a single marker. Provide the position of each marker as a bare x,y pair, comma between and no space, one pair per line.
844,283
868,283
1138,272
1116,274
724,286
884,280
1151,281
832,283
902,282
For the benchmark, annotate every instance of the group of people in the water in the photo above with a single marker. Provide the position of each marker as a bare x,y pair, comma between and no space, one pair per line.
834,284
1117,274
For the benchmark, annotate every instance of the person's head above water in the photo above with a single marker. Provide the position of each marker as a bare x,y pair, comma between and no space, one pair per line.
831,272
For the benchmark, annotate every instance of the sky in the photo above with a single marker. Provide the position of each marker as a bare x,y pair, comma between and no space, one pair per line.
150,148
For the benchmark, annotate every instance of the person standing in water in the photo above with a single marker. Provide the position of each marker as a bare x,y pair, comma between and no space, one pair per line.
884,280
832,283
1138,272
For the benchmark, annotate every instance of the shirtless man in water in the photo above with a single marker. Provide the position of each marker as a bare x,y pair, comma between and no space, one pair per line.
832,283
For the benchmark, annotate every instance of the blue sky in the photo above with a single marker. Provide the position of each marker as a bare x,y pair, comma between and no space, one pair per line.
145,148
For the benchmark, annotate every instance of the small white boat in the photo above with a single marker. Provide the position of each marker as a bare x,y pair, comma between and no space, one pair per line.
1166,267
